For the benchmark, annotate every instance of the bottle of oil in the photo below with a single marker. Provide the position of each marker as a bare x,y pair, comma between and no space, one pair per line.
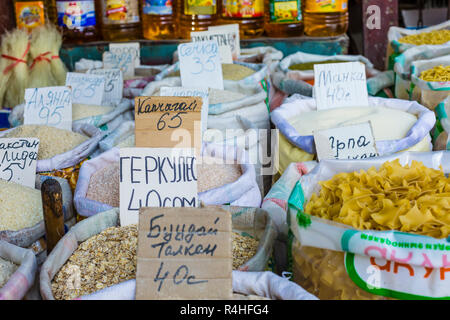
325,18
283,18
159,19
248,13
30,14
77,19
196,15
119,19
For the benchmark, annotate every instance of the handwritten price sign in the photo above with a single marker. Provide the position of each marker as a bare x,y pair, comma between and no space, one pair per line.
86,88
50,106
113,85
200,65
184,254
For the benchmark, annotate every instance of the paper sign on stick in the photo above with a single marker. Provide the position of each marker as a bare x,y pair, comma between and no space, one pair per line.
86,88
113,86
349,142
338,85
190,92
50,106
128,48
225,52
184,254
156,177
200,65
168,122
18,158
231,31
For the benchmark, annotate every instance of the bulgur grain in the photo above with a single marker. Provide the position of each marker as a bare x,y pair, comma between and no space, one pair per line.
7,268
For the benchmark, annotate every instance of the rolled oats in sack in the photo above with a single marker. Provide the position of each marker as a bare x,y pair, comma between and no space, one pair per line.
431,78
398,125
373,229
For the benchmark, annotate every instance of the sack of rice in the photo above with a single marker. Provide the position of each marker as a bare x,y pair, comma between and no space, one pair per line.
59,148
373,229
398,125
98,184
402,67
400,39
17,271
432,80
21,213
76,257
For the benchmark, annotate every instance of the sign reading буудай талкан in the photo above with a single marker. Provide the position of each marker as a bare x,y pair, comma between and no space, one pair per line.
168,122
156,177
338,85
184,254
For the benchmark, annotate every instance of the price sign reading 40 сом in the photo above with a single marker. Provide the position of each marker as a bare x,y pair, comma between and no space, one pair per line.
200,65
168,122
50,106
184,253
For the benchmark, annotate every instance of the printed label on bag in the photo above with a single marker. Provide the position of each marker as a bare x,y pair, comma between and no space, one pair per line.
285,11
120,11
321,6
243,9
193,7
29,14
76,14
399,265
158,7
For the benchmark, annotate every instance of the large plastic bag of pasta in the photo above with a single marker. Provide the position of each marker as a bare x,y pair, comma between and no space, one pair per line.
232,183
59,148
373,229
441,132
62,271
402,67
21,215
94,115
17,271
401,39
398,125
431,78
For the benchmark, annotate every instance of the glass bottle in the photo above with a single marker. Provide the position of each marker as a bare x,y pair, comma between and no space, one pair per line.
30,14
196,15
77,19
248,13
283,18
159,19
119,19
325,18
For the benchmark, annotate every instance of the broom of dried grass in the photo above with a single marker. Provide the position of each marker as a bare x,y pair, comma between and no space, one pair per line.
41,72
59,70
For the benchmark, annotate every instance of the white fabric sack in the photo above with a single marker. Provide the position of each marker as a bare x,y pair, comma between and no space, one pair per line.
419,131
242,192
23,278
266,55
125,129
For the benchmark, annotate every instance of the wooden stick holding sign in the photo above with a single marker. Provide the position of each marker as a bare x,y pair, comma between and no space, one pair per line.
184,254
168,122
53,212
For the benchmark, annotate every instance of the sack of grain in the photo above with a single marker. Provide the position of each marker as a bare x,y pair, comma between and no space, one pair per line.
441,132
398,125
265,55
295,73
17,271
382,81
401,39
120,134
402,67
56,284
357,233
431,79
21,212
58,148
97,188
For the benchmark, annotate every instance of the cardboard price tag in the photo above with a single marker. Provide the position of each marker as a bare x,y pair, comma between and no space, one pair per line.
184,254
200,65
86,88
228,33
156,177
132,48
349,142
191,92
50,106
18,160
168,122
226,55
113,86
338,85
